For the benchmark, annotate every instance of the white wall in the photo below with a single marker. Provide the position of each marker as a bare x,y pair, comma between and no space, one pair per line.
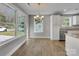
19,12
46,26
27,26
52,26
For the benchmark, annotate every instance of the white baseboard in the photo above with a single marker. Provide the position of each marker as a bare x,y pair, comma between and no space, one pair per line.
38,37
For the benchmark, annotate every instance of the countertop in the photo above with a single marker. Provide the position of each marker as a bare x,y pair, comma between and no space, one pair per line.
75,35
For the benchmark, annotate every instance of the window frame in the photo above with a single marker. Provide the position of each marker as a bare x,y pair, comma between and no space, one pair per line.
41,24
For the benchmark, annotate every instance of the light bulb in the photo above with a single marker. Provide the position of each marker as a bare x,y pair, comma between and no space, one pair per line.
37,15
34,16
42,16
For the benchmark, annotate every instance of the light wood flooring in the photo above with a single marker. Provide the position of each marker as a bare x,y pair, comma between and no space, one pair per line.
41,47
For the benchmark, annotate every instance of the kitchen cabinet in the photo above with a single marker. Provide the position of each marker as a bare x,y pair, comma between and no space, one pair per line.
72,44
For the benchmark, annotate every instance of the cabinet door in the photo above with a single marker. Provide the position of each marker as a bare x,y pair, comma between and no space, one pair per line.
71,46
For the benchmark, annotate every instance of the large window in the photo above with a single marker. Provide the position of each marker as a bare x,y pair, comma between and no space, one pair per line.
38,25
21,26
12,22
66,21
69,21
7,20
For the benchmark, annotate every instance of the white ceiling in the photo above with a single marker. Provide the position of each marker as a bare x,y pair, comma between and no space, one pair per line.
48,8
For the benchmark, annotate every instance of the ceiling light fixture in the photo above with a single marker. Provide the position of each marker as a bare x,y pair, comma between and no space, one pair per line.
38,6
39,17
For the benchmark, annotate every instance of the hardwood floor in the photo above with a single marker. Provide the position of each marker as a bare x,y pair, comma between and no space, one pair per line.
41,47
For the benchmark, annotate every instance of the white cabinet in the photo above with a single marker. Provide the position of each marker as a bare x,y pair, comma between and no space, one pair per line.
72,45
56,22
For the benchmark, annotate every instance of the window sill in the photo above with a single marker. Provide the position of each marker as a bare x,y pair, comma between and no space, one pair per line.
10,39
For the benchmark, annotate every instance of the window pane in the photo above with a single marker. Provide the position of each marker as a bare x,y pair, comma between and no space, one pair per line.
21,26
38,25
7,20
74,20
66,21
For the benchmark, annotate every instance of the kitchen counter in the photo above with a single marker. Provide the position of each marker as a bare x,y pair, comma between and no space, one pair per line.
64,30
72,43
70,28
73,33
